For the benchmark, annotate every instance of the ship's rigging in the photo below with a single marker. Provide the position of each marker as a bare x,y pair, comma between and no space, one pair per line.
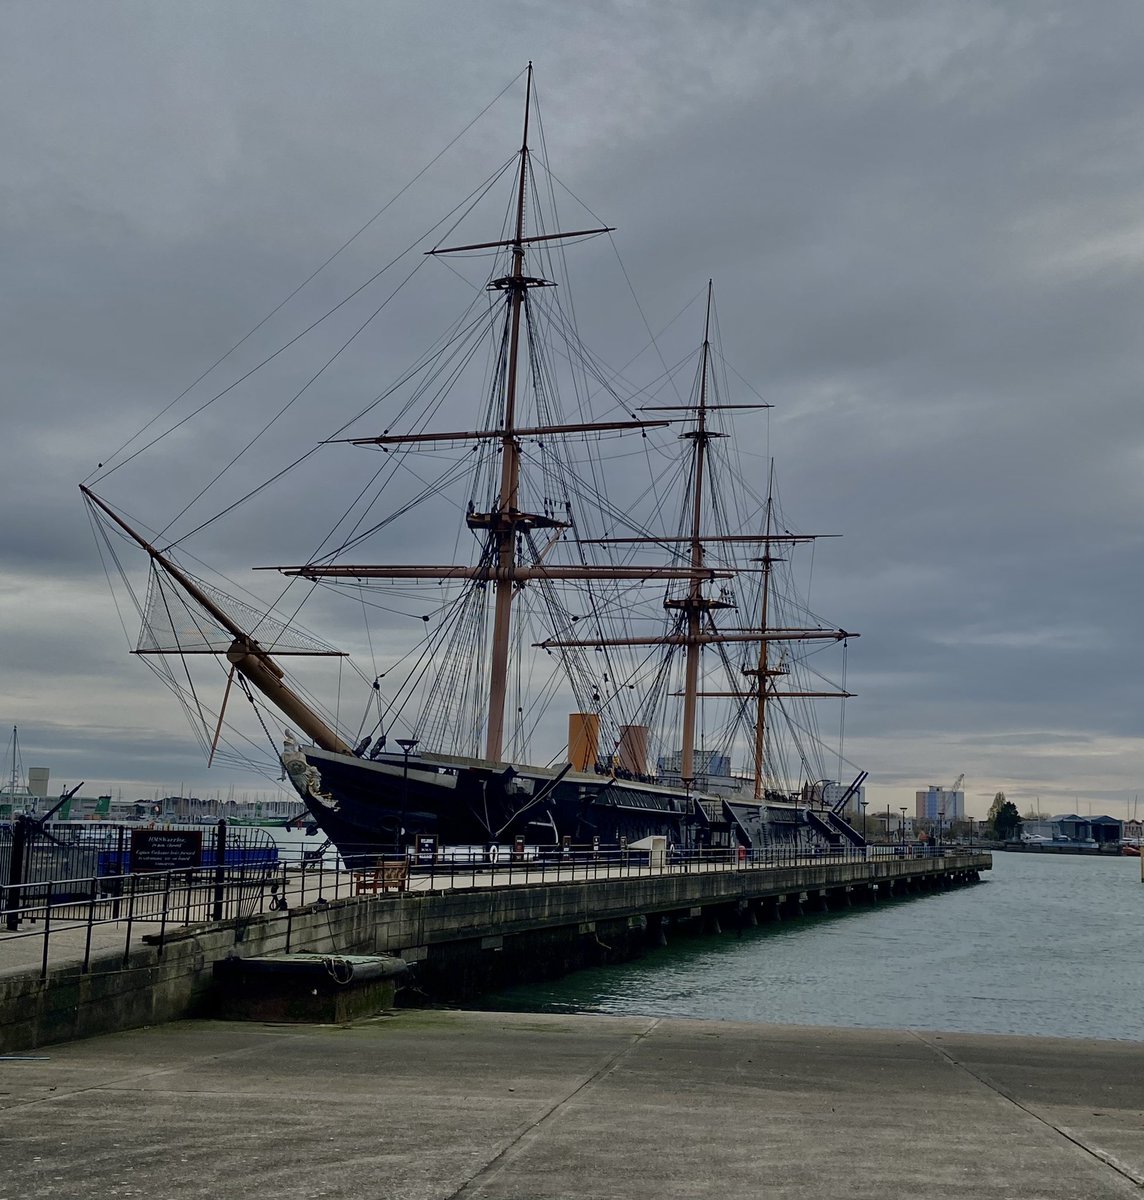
581,584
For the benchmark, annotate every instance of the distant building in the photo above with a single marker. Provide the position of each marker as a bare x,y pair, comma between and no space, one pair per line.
935,802
707,762
826,793
712,773
1071,827
1105,829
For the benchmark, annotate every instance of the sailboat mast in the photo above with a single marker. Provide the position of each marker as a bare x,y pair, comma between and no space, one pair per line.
504,530
695,601
15,772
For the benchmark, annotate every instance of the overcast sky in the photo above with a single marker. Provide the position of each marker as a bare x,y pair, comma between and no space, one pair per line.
924,222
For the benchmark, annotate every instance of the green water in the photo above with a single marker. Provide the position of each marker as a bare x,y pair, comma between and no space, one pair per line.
1047,945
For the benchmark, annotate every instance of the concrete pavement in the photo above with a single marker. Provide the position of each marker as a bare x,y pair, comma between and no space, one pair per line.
424,1105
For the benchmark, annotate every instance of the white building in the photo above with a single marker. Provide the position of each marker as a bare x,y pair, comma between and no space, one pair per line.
833,792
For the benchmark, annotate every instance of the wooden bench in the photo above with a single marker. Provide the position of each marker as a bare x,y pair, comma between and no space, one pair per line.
381,878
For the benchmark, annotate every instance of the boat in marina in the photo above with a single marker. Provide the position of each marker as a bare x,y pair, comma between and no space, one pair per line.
658,614
16,797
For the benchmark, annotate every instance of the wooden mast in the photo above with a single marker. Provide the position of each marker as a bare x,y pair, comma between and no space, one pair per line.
695,605
504,529
761,702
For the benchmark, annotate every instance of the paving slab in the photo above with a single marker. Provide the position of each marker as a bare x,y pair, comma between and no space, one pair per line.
425,1105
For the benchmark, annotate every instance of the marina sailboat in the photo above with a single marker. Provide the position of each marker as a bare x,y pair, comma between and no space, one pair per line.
653,610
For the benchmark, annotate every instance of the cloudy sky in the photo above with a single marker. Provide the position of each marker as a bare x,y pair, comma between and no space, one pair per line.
924,225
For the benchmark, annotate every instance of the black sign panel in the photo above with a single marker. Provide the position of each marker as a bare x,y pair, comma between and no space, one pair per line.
166,849
427,848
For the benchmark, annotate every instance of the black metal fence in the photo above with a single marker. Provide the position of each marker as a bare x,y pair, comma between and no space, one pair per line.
37,852
244,873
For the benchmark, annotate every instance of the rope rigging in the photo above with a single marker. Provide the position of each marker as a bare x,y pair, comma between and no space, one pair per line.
621,641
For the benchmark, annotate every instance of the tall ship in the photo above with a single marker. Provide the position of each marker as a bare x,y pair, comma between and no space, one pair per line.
617,624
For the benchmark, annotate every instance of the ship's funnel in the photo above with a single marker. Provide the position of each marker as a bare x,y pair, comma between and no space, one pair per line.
583,740
631,754
38,781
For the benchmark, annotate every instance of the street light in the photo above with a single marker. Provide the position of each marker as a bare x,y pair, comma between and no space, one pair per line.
940,819
902,810
406,745
862,804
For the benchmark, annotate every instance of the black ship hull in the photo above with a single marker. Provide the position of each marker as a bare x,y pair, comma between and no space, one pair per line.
375,807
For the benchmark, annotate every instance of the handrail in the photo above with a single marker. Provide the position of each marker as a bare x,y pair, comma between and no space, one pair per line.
187,896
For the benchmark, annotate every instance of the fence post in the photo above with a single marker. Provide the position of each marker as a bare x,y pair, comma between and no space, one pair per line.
16,871
166,903
47,929
220,871
90,923
130,917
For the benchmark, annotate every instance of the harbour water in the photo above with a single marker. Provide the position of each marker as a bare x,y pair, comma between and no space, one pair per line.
1045,945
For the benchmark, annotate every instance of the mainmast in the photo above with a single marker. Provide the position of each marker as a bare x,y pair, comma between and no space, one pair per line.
502,525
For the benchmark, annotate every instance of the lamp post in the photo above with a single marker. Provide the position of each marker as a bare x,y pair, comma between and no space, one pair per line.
406,745
902,810
940,820
862,804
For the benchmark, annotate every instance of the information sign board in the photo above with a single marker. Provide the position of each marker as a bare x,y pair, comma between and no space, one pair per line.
166,849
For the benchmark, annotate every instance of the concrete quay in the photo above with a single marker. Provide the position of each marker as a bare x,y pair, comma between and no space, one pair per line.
429,1105
463,941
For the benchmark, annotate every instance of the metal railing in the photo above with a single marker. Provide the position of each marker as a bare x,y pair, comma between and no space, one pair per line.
137,904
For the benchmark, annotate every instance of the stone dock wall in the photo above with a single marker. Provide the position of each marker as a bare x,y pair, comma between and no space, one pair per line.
463,941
